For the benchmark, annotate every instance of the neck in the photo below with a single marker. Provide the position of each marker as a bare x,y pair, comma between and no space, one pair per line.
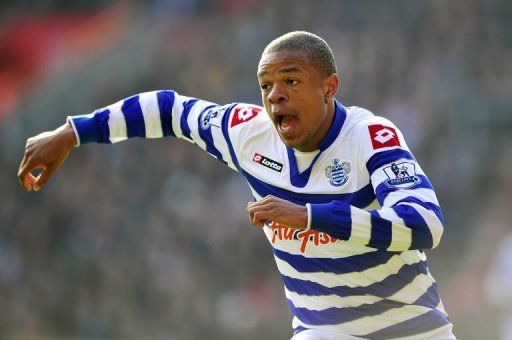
323,129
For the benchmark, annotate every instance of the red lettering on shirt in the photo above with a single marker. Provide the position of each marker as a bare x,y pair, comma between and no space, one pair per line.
306,237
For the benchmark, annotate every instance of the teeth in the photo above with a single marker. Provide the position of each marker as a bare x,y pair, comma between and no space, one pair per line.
285,121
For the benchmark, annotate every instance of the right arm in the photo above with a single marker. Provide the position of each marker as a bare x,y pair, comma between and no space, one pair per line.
148,115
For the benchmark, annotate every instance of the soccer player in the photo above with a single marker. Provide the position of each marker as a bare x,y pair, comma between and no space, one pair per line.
347,233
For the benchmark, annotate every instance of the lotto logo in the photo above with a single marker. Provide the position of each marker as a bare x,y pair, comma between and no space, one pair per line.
269,163
244,114
383,136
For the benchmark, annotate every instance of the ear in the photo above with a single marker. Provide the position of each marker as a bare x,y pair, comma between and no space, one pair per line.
331,84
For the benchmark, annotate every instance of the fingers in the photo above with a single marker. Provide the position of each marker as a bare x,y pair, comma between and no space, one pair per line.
25,176
264,201
30,182
26,167
282,213
44,177
32,161
261,212
255,214
23,170
46,151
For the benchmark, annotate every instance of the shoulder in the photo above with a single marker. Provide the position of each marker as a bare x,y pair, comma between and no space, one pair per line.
372,133
246,121
244,115
362,124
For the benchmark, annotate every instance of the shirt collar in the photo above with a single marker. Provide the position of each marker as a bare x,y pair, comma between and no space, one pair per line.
340,114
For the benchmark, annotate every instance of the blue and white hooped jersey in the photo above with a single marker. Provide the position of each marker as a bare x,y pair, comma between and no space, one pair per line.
359,267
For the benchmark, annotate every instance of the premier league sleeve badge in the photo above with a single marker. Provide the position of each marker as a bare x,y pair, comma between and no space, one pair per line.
401,175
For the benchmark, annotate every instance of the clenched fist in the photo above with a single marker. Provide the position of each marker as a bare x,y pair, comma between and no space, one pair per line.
271,208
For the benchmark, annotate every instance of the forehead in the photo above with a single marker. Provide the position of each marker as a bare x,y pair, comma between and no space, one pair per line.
284,61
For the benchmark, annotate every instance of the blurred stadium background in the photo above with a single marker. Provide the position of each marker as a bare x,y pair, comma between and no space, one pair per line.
149,240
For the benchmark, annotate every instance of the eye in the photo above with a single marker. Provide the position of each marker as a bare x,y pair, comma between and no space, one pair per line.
291,81
264,86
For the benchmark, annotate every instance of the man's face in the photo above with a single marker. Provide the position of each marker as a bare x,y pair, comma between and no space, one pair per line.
297,97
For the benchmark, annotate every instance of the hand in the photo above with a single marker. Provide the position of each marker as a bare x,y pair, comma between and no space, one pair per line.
271,208
46,151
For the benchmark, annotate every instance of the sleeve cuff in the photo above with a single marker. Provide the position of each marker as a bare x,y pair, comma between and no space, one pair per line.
333,218
72,123
86,128
308,224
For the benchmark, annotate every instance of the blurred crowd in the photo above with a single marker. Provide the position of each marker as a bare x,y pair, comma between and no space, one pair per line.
149,239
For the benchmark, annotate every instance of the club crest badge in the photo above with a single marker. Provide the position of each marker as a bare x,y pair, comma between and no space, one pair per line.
337,172
401,175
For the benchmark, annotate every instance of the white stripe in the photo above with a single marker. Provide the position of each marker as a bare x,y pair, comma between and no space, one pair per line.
408,294
328,301
423,194
361,226
192,121
375,205
413,290
116,123
338,250
434,224
220,144
177,111
401,236
440,307
323,334
151,112
441,333
390,317
354,279
370,324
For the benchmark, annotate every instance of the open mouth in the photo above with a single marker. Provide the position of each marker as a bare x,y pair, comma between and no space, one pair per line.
279,119
285,123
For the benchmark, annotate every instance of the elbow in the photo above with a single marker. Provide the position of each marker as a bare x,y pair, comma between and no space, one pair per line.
430,227
436,231
427,233
426,236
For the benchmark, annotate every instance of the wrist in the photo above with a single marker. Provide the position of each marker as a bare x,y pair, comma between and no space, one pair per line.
67,135
304,217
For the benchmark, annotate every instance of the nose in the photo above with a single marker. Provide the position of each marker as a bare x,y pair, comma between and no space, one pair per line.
277,94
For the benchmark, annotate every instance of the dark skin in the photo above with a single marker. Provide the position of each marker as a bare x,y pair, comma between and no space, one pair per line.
46,151
298,98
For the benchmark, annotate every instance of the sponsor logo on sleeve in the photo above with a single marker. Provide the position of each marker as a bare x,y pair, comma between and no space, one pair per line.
244,114
383,136
269,163
337,172
401,175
